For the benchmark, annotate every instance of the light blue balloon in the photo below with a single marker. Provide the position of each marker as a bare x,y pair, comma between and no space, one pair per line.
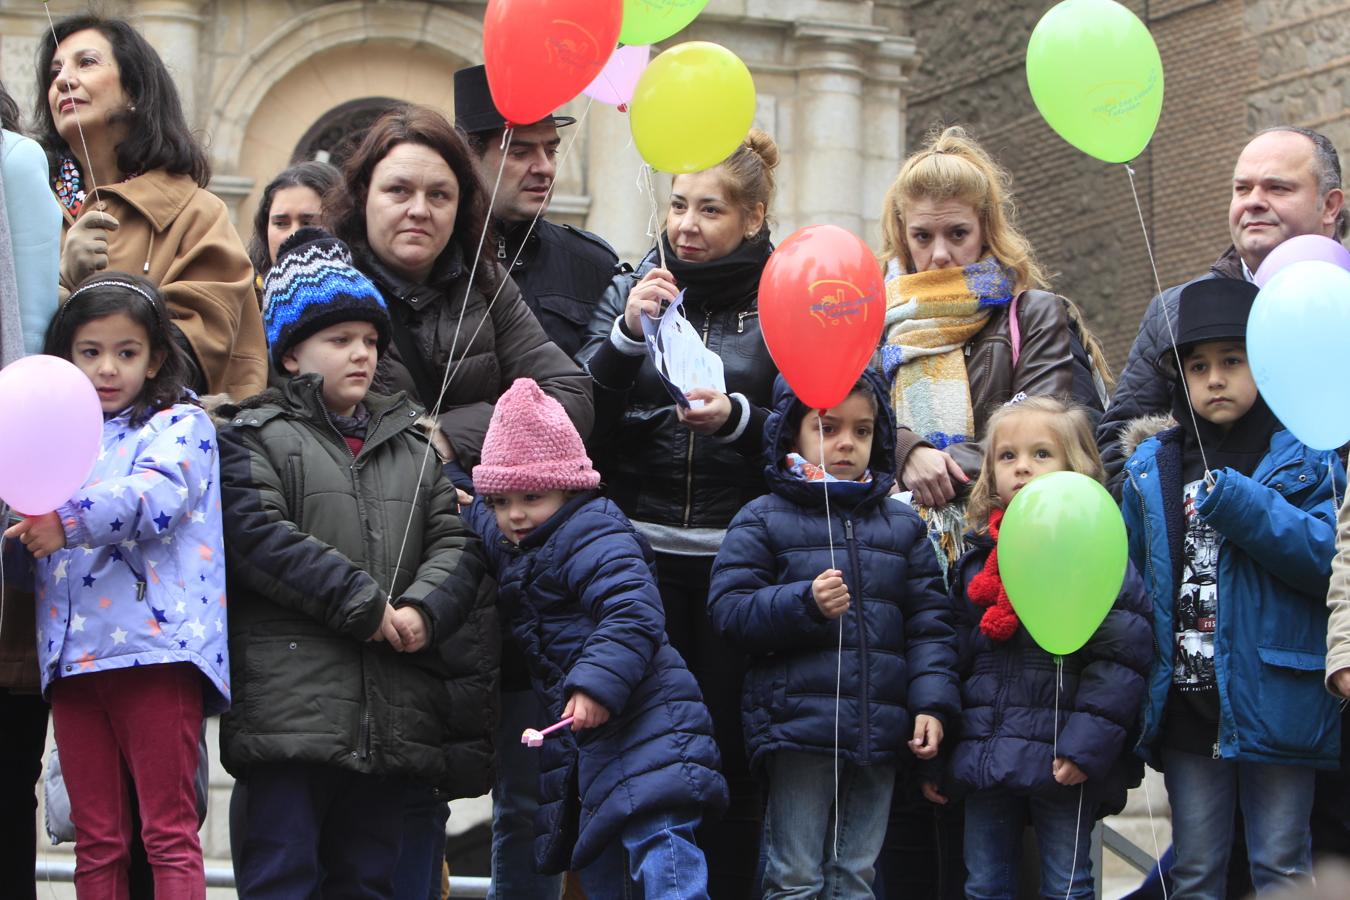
1298,347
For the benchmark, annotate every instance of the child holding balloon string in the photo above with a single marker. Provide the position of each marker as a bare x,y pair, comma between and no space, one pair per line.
130,586
1043,739
1232,519
835,593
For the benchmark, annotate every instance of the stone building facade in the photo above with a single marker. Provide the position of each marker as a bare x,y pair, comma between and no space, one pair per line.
270,82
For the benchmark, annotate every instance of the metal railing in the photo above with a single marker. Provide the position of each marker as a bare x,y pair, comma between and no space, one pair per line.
221,877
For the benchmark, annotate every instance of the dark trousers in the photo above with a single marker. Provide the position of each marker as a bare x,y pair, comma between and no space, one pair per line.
418,876
730,844
922,856
319,832
23,732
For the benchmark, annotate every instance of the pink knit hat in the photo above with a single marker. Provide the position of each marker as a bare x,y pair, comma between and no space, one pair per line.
531,445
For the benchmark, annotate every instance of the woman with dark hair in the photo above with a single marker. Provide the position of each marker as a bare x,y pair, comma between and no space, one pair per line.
30,242
413,213
291,201
132,181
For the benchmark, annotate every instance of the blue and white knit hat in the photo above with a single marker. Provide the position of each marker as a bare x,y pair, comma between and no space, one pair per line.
314,285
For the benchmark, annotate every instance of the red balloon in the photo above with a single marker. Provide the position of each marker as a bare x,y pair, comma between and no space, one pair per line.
822,306
541,53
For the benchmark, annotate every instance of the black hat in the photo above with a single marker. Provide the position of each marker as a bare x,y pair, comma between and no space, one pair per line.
474,110
1213,309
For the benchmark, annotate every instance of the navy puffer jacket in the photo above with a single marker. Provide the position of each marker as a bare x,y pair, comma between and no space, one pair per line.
580,593
899,647
1006,740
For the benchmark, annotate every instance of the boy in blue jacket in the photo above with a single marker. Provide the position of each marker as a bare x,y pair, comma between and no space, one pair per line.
851,649
638,769
1237,558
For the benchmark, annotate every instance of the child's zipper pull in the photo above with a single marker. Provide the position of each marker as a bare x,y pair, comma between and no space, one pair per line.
501,248
140,590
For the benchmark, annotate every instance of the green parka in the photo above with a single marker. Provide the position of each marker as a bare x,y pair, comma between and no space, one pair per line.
315,546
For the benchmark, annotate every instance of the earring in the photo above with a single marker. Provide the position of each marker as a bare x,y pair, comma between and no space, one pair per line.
150,374
131,107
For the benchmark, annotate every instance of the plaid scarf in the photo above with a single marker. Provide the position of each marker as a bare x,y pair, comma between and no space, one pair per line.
930,317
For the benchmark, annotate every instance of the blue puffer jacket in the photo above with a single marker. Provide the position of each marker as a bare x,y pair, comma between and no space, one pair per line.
1007,739
1277,533
899,648
580,593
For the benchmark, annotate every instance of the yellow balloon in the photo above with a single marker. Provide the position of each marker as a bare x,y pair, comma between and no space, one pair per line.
692,108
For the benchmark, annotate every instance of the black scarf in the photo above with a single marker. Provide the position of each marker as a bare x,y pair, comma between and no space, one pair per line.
1242,447
732,281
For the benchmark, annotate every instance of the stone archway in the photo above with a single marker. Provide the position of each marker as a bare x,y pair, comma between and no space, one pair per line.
337,132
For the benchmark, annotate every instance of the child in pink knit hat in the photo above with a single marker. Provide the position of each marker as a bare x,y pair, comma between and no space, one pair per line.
639,767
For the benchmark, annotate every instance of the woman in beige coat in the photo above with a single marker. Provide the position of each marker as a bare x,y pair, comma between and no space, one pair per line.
131,180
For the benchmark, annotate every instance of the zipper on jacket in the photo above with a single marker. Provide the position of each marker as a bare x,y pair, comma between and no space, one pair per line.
865,693
689,456
365,732
742,316
501,248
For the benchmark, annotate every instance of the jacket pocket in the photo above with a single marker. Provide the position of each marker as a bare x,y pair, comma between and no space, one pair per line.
303,683
1292,701
578,312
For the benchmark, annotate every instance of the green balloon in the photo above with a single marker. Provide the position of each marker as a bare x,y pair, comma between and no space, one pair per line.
1096,76
649,21
1062,555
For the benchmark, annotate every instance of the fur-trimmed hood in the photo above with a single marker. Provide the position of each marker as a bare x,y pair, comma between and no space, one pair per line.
1136,431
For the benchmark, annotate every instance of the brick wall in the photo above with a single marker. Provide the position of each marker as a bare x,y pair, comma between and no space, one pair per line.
1078,211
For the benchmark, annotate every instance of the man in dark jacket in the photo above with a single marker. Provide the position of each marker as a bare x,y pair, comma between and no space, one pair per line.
561,271
1287,182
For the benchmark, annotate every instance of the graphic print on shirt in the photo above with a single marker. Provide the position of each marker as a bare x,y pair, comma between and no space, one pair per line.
1197,603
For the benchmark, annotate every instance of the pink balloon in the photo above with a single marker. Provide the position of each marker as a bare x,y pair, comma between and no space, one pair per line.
618,79
1301,249
51,426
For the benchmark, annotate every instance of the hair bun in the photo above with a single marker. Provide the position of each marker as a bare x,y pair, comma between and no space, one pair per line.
763,146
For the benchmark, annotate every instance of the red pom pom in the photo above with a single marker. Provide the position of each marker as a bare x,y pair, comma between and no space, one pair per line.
999,622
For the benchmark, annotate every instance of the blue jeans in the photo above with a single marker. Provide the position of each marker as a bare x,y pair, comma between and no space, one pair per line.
801,859
1276,804
663,862
515,798
993,842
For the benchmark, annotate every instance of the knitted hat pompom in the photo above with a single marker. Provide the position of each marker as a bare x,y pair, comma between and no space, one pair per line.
531,445
312,286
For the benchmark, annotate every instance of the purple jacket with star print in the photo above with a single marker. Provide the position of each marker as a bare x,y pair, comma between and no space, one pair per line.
142,577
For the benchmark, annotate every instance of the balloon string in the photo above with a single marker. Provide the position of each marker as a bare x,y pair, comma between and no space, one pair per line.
654,228
452,366
1153,827
79,126
839,654
1077,832
1171,331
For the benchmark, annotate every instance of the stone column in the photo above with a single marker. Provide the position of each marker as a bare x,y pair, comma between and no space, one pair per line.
173,28
830,171
884,127
622,212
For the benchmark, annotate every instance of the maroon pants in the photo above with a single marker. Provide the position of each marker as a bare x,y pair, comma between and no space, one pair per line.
138,726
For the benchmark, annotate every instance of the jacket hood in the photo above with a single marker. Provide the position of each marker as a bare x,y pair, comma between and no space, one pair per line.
780,434
1136,431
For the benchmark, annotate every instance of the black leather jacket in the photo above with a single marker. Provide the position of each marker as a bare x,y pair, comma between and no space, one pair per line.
656,469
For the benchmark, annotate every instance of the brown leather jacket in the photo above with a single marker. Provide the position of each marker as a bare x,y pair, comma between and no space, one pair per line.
1044,368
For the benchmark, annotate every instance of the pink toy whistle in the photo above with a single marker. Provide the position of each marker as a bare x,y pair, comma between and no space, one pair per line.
533,737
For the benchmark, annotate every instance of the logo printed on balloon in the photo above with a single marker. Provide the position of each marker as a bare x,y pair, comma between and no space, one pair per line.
838,302
575,50
1122,97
